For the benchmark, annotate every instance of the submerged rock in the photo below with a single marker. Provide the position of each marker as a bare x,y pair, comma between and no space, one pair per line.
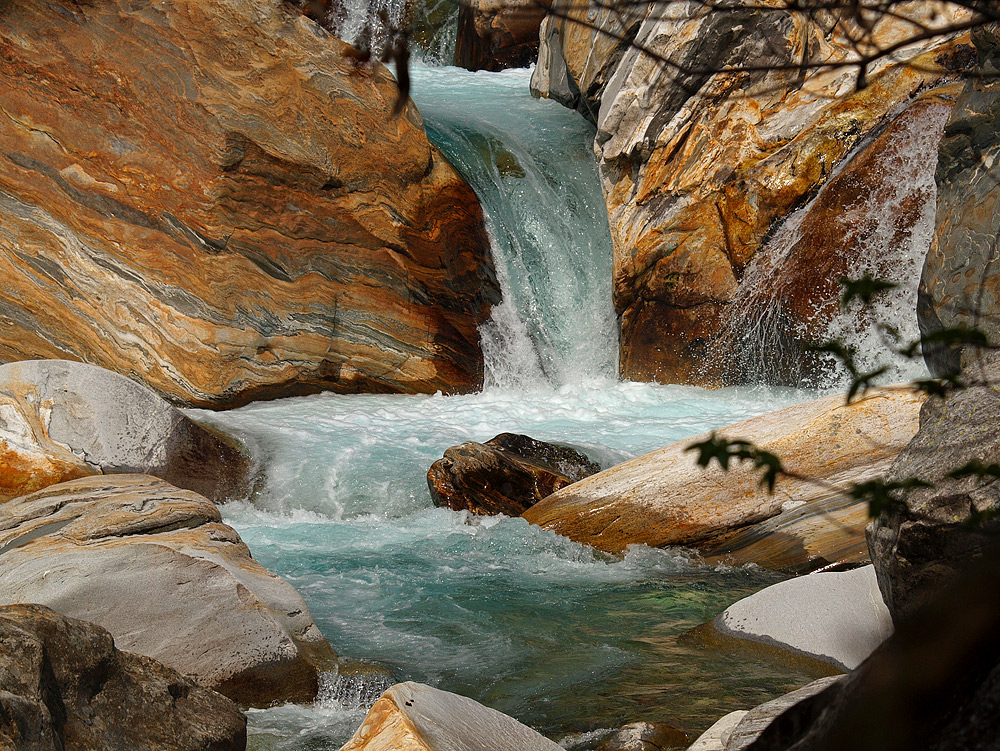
60,420
664,498
155,566
64,685
219,201
414,717
498,34
505,475
699,167
920,549
836,617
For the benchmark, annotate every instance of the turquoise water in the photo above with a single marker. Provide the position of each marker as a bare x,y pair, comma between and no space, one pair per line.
566,639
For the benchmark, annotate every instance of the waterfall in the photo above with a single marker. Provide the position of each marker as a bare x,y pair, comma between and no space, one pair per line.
531,165
430,24
886,224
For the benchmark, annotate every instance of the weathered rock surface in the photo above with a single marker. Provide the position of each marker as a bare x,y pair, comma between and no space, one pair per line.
60,420
836,617
959,285
921,549
214,198
753,723
716,737
414,717
645,736
156,567
64,685
506,475
664,498
498,34
934,684
699,167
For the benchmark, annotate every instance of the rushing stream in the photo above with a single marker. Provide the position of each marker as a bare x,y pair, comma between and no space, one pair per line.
563,638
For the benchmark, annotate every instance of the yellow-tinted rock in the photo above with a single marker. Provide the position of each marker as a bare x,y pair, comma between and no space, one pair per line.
214,198
664,498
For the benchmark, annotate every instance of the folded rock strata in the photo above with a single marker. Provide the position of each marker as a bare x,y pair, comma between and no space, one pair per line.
215,198
64,685
60,420
664,498
155,566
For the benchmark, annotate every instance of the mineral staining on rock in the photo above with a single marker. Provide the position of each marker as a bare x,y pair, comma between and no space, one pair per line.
214,198
155,566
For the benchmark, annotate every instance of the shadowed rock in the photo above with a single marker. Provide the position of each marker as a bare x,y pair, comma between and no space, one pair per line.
216,198
155,566
498,34
505,475
64,685
60,420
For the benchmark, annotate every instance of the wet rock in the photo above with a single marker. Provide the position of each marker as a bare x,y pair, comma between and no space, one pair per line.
505,475
959,285
922,548
498,34
934,684
664,498
64,685
753,723
715,738
60,420
155,566
414,717
228,221
836,617
646,736
698,168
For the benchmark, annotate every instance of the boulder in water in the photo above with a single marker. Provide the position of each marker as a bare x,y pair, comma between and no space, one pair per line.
414,717
155,566
60,420
505,475
646,736
665,498
64,685
224,206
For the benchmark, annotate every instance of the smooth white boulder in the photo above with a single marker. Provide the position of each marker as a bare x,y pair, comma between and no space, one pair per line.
416,717
716,737
839,618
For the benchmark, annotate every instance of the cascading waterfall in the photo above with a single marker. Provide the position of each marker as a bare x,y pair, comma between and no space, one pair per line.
431,25
767,346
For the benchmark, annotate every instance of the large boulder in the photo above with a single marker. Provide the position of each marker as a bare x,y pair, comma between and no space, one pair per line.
699,167
498,34
216,199
415,717
506,475
156,567
836,617
665,498
921,544
64,685
960,285
60,420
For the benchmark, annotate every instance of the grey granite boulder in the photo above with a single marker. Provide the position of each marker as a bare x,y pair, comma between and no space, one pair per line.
65,687
835,617
61,419
155,566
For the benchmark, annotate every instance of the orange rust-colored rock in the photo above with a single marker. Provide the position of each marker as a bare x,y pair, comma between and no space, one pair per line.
498,34
664,498
214,198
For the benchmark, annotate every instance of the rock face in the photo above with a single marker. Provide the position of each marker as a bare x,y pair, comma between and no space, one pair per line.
920,550
959,285
835,617
664,498
213,198
415,717
698,168
716,737
498,34
64,685
934,684
506,475
754,722
155,566
60,420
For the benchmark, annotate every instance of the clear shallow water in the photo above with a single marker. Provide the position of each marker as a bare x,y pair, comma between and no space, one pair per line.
563,638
